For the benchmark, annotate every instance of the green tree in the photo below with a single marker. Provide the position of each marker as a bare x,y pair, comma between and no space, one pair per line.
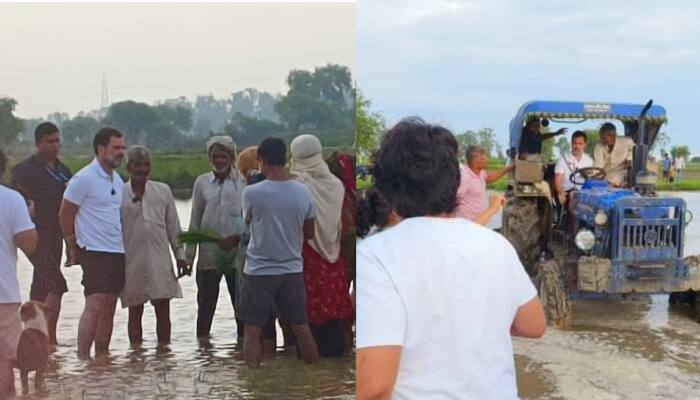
333,82
662,142
137,121
210,114
249,131
369,126
302,111
680,151
79,130
178,116
563,145
321,99
484,137
592,139
10,126
29,126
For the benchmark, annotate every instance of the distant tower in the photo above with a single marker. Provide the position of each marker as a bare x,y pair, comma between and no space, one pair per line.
104,104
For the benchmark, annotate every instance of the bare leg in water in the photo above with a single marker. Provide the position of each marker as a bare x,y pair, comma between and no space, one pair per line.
252,347
162,308
305,343
53,303
88,324
134,327
7,380
105,323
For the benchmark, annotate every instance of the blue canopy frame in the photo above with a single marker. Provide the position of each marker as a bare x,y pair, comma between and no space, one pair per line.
581,110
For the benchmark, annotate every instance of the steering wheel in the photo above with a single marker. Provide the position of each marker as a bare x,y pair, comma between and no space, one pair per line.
596,173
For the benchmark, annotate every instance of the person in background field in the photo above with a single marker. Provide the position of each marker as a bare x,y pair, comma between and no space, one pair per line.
151,226
614,154
216,207
92,227
42,179
16,231
666,167
280,212
326,280
471,195
430,267
680,166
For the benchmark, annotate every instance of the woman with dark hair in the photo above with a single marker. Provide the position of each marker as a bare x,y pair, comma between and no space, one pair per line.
438,297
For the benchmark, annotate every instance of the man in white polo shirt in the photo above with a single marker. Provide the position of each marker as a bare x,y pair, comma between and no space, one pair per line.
91,224
16,230
569,163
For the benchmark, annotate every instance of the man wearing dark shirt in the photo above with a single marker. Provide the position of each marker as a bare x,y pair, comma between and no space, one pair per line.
531,139
41,179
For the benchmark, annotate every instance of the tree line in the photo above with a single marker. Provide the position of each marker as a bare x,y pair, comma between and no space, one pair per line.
320,101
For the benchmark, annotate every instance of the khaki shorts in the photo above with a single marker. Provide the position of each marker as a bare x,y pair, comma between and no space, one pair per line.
10,331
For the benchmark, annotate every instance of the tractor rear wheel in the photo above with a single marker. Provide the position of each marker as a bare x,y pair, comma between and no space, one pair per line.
550,280
525,221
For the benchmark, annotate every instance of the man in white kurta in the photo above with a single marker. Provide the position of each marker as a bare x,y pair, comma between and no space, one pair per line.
614,154
151,226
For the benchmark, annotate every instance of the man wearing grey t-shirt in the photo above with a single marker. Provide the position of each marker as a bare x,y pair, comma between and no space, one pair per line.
281,214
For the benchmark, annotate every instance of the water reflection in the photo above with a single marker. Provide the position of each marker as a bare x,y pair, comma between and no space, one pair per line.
183,369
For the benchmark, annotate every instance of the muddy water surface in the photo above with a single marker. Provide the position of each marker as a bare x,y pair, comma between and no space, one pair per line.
635,348
182,370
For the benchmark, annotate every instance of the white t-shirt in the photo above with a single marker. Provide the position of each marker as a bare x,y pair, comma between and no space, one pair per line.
568,164
680,163
99,196
446,291
14,218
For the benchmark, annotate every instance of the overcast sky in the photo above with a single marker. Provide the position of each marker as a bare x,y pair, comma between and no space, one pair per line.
53,55
471,64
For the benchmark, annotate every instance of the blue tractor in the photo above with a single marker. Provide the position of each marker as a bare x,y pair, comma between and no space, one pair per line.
613,240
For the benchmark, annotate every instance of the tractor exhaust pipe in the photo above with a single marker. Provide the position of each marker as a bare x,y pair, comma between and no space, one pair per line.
639,178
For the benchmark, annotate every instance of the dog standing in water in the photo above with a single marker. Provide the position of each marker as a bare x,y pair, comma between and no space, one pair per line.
34,347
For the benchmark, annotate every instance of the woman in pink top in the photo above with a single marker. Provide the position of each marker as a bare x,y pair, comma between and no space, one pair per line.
471,195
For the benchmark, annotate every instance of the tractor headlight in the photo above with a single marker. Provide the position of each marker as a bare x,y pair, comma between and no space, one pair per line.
601,218
585,239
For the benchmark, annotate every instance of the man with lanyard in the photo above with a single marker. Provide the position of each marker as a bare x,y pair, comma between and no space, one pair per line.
42,179
568,164
91,224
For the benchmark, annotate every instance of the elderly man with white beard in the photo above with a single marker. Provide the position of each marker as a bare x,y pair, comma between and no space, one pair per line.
216,207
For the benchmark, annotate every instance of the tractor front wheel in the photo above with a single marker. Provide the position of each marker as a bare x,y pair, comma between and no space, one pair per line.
550,281
525,221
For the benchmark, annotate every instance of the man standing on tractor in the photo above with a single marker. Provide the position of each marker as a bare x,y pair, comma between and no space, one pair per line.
531,139
568,164
614,154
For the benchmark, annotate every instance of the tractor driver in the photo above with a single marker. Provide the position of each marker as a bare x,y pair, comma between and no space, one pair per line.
569,163
532,137
614,154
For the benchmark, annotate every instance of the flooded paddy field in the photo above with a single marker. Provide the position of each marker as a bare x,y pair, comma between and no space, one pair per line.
182,370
